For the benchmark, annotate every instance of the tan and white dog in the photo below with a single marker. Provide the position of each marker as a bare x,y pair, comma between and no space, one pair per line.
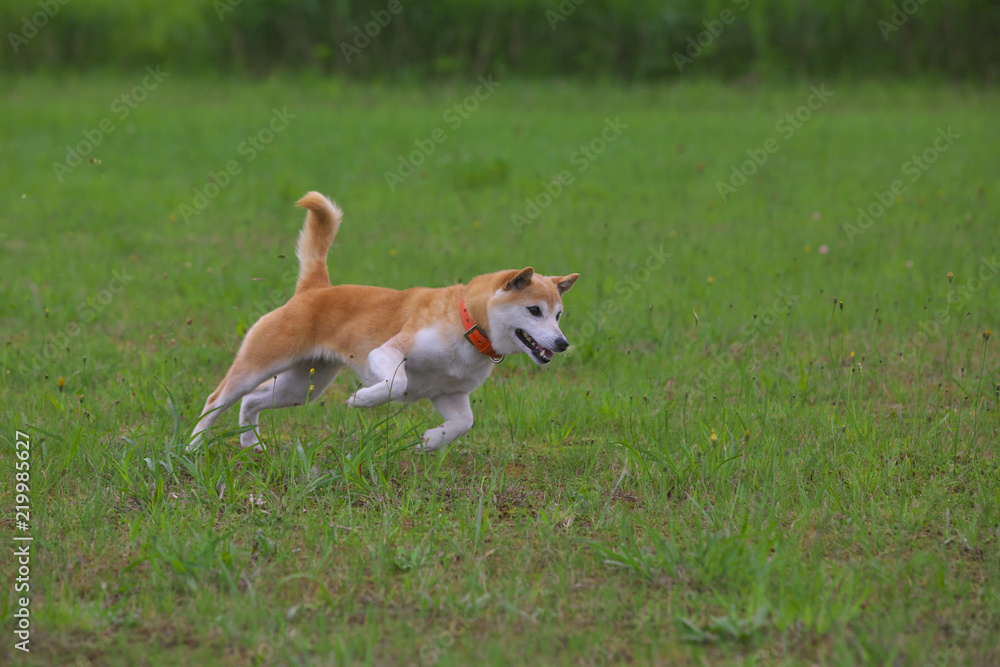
404,345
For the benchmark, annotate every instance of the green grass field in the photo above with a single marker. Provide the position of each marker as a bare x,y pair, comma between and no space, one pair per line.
774,443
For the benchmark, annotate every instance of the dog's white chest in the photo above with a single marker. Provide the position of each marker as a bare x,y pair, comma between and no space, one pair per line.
438,365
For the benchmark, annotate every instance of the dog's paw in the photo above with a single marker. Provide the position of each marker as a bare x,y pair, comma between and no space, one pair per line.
369,397
195,444
249,439
432,440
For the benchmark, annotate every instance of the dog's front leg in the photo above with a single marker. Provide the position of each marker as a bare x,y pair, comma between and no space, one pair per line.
386,364
457,415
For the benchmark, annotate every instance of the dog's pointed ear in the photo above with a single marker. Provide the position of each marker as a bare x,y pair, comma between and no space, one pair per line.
565,283
520,279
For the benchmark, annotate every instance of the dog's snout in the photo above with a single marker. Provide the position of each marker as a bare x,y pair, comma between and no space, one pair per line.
561,344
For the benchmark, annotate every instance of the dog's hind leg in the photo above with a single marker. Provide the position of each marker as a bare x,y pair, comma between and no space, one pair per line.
302,383
267,351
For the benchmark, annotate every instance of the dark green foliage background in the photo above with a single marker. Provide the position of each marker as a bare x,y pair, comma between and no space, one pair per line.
631,39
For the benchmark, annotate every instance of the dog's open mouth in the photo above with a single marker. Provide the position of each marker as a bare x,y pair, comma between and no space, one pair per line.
539,353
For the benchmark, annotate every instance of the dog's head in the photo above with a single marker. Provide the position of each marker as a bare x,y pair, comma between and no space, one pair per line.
524,314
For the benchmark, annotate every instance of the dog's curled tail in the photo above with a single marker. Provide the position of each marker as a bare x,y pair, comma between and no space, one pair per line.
318,233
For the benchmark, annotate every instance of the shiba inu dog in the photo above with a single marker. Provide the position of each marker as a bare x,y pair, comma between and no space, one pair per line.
405,345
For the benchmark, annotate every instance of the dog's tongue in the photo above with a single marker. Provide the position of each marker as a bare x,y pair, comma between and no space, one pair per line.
547,353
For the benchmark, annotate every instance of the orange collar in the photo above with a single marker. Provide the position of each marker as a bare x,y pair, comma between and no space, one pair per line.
477,336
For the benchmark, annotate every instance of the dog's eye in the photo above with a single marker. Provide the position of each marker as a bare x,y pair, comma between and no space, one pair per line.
535,310
558,315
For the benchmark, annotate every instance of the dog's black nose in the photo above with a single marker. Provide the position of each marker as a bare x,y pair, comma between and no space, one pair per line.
561,344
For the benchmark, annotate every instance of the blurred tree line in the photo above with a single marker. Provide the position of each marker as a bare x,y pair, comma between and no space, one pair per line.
630,39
